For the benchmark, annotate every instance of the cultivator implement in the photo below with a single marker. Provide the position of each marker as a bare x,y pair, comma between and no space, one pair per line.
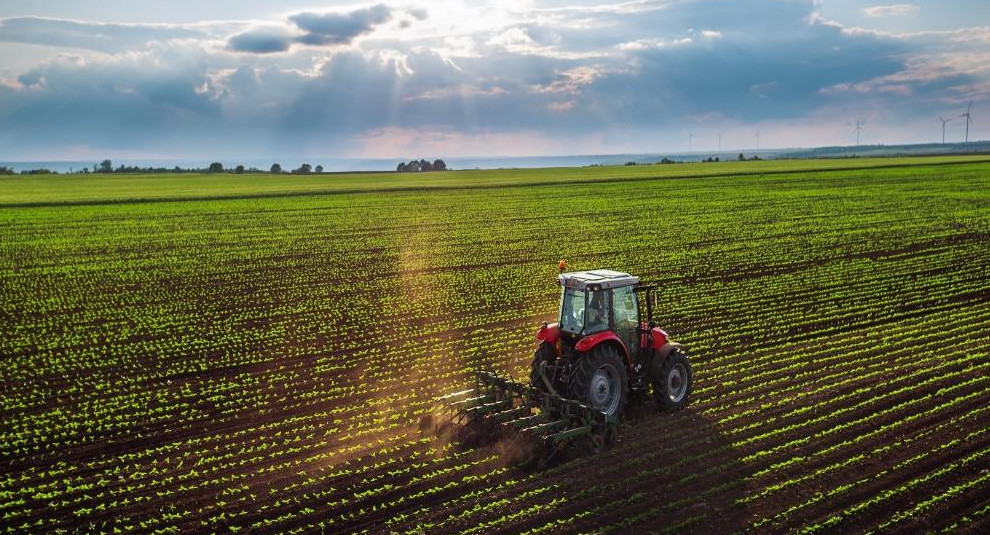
546,423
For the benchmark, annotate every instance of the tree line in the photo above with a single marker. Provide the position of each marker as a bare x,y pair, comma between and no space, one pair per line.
422,165
106,166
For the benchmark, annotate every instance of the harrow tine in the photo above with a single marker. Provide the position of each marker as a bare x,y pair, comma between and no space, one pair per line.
468,392
524,422
471,402
504,411
511,414
571,433
490,407
549,426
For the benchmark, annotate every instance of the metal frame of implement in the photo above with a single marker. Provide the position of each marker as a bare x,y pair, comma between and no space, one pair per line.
511,405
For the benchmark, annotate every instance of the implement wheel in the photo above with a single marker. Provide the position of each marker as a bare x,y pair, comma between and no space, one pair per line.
672,381
600,381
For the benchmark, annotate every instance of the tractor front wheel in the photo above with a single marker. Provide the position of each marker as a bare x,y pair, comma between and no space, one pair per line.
672,381
600,380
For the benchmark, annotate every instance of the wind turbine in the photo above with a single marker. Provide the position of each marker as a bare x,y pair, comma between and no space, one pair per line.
718,140
859,127
968,119
944,121
690,141
757,139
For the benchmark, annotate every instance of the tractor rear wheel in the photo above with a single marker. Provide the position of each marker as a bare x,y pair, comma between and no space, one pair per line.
544,354
672,381
600,380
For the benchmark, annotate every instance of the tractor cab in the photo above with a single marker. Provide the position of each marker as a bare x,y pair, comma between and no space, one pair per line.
606,301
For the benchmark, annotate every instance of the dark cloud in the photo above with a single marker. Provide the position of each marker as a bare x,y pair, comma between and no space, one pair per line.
339,28
116,105
318,29
261,41
723,59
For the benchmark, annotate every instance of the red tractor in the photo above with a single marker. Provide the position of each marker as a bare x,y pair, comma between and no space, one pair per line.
604,347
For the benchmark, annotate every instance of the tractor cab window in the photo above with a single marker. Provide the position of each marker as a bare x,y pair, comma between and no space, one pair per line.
584,312
596,319
625,307
572,310
626,316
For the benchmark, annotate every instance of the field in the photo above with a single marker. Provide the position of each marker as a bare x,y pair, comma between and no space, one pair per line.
256,354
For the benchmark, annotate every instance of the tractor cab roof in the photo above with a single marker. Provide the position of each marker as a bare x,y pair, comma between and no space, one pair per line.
599,279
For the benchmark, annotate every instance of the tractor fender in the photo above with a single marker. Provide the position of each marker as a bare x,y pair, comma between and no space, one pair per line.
592,340
665,350
660,337
549,333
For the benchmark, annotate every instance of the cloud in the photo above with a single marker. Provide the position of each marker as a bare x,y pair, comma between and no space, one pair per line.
339,28
315,29
519,79
101,37
734,73
261,41
890,10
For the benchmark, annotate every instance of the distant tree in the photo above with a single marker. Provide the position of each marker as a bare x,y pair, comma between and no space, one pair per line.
716,158
401,168
4,170
425,165
239,169
439,165
412,166
106,166
742,157
304,169
216,167
319,168
276,169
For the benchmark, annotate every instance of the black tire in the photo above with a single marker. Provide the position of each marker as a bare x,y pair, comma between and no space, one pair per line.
544,353
600,380
672,381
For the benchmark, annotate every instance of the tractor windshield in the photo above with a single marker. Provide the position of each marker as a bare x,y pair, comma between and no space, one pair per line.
584,312
572,310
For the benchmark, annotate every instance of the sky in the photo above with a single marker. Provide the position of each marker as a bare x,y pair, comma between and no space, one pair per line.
448,78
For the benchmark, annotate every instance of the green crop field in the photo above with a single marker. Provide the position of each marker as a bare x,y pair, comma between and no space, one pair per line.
103,188
256,354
